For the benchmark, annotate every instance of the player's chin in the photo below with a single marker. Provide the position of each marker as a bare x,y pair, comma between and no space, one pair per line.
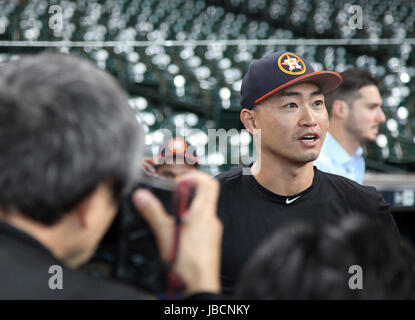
309,156
371,136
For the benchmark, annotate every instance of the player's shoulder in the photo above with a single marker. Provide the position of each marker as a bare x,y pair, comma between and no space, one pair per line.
229,176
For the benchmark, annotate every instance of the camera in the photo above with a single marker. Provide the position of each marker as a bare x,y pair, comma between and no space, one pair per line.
129,247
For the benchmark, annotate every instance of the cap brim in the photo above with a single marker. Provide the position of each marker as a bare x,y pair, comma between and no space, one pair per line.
327,81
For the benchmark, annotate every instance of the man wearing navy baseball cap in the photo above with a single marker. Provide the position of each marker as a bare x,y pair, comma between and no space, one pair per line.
283,107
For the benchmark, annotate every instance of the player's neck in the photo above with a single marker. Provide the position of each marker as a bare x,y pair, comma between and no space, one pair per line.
283,179
344,138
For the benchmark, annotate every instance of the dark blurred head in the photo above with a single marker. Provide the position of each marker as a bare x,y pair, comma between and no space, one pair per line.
356,106
65,128
312,261
175,158
348,91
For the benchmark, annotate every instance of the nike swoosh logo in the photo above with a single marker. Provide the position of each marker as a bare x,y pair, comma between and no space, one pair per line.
288,201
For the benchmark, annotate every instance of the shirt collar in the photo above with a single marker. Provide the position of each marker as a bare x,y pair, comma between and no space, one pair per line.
337,153
358,152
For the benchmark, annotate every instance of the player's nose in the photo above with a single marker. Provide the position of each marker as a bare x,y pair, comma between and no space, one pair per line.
307,117
380,117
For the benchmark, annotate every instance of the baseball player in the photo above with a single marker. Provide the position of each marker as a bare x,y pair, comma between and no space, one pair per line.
283,107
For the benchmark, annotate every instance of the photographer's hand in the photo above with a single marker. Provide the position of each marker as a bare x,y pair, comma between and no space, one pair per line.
148,165
198,260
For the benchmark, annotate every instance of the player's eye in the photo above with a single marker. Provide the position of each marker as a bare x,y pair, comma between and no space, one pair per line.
318,103
290,106
373,107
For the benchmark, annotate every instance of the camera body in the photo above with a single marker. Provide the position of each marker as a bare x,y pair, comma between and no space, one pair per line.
130,247
138,259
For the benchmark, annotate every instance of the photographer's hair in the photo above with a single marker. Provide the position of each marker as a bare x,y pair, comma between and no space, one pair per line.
65,127
312,261
348,91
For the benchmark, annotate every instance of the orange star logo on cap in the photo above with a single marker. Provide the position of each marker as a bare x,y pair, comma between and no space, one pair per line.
291,64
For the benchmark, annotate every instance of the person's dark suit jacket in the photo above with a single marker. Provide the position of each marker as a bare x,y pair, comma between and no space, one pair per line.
24,273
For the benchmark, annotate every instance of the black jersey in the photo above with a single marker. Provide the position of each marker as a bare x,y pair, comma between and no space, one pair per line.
250,212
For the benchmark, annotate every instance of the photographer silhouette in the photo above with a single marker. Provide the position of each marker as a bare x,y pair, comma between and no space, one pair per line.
71,148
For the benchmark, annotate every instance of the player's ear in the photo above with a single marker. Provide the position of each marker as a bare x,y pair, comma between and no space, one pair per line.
248,118
340,109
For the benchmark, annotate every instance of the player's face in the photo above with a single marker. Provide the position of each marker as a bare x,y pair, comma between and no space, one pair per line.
293,124
366,114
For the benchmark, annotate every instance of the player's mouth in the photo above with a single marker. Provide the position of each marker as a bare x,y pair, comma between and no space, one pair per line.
375,129
309,139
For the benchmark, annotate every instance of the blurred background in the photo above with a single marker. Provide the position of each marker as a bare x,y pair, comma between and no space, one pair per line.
182,62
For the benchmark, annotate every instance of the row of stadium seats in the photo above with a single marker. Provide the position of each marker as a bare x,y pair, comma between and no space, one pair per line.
205,80
381,19
179,19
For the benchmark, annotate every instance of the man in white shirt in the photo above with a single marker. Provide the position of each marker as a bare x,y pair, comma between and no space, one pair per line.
355,114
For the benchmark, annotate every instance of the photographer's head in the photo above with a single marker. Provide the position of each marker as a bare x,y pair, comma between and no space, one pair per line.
313,261
70,147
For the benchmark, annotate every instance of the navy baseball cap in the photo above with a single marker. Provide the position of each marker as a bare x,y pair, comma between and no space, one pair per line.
278,71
